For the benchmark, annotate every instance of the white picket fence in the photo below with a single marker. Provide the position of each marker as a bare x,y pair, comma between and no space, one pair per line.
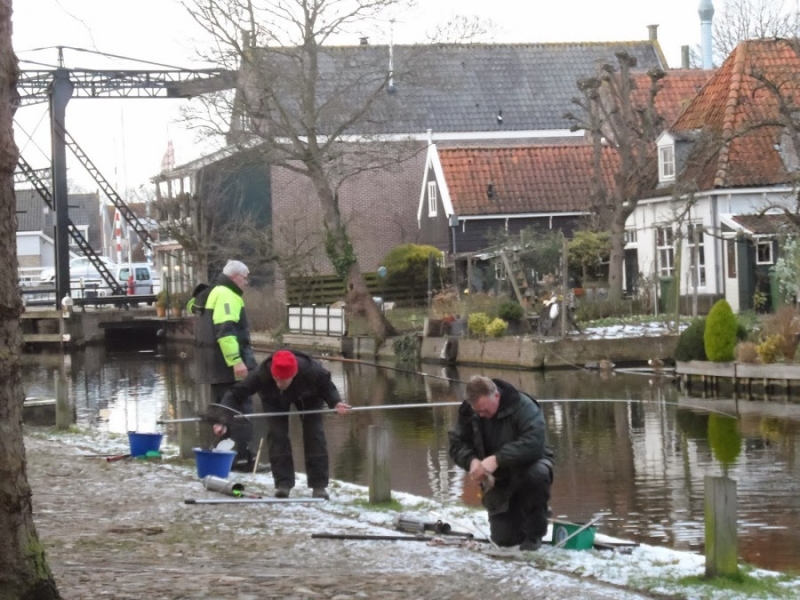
317,320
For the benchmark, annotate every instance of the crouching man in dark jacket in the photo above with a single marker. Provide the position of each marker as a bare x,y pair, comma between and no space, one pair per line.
500,439
286,378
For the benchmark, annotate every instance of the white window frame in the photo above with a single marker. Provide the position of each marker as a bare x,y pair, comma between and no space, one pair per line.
698,250
768,245
665,250
631,237
432,199
84,231
666,163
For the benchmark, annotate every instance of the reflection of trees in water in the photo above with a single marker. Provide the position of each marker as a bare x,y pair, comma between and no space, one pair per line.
349,462
725,440
694,425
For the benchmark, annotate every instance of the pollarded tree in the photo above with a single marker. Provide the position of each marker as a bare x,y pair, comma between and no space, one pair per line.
616,115
24,574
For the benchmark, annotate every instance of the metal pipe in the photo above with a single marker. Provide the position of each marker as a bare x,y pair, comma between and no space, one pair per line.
251,500
445,404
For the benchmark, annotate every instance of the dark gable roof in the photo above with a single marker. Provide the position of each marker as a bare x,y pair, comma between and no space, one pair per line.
84,209
448,87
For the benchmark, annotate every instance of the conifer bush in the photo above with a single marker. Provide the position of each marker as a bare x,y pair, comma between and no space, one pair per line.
497,328
690,344
477,323
720,334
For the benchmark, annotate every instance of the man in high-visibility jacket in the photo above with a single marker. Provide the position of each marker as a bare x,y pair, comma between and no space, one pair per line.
222,334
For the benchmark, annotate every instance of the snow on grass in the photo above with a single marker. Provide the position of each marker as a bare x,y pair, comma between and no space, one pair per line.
646,568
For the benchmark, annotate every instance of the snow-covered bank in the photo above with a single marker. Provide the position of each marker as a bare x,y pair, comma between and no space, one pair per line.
649,569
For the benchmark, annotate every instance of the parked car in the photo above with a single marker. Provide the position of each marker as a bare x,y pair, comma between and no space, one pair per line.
143,282
79,268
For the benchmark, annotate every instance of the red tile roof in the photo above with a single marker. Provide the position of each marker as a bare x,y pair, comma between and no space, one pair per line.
678,89
525,179
729,111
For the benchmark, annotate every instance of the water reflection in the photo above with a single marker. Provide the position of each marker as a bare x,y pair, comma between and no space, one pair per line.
626,448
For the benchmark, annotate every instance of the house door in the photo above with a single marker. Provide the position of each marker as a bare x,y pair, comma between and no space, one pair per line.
631,272
732,275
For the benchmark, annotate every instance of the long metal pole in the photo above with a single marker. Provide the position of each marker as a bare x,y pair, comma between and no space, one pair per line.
439,405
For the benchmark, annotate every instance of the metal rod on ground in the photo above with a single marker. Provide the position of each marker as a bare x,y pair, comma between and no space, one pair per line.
252,500
385,538
443,405
258,456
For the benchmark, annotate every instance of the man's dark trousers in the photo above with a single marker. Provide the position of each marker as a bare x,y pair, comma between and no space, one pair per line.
526,518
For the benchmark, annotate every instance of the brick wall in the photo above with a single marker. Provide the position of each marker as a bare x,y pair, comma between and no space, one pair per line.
379,207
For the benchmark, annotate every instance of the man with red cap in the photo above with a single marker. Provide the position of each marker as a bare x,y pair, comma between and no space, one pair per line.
289,377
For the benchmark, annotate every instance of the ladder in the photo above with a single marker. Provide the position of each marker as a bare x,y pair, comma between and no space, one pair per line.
516,274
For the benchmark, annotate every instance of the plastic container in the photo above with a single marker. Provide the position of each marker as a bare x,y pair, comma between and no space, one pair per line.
142,443
582,541
216,484
214,462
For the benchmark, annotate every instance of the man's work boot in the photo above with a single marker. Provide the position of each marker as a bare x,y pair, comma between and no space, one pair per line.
531,545
282,492
320,493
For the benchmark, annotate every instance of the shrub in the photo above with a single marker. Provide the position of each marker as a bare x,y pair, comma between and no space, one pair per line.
407,265
405,348
770,349
746,352
690,343
477,323
784,323
497,328
510,311
720,334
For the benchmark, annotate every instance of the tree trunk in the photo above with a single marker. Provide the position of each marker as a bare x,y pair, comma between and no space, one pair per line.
616,261
24,573
341,255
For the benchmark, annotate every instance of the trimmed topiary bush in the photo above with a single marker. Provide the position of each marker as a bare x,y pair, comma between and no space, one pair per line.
691,345
720,333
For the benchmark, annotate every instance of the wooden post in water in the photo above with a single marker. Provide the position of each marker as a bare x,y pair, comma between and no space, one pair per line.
721,535
378,475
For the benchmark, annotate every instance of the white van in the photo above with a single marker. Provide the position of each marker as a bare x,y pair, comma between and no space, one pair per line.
142,277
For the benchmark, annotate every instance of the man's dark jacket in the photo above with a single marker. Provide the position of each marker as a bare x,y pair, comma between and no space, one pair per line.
516,436
310,387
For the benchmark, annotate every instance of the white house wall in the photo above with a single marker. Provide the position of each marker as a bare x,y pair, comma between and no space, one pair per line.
648,215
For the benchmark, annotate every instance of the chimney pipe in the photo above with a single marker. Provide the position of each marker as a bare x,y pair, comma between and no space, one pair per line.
652,31
685,57
364,41
706,12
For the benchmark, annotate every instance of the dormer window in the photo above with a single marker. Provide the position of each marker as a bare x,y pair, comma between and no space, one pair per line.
666,163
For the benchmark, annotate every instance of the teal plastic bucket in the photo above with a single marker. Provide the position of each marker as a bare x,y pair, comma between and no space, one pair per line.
214,462
142,443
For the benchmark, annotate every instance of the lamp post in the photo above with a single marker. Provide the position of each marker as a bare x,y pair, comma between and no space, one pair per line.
165,286
178,288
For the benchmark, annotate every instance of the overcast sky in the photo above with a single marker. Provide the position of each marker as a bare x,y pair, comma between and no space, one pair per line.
127,138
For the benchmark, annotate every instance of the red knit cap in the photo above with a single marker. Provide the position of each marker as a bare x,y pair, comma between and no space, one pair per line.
284,365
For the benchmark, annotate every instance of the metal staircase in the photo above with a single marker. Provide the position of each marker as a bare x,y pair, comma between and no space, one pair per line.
74,232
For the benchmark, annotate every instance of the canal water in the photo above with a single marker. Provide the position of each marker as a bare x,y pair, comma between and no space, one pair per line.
627,444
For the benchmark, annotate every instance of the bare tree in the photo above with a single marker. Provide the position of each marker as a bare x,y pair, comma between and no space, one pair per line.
24,572
741,20
616,121
299,107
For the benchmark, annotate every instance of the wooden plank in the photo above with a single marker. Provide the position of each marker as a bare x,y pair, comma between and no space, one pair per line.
720,521
378,474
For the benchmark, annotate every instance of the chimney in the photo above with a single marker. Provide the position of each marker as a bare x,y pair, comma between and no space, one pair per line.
706,12
685,57
652,31
363,41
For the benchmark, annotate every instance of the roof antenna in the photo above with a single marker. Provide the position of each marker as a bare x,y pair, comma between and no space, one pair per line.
500,117
391,89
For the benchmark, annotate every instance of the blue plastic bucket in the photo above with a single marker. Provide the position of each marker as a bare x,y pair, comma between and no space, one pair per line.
214,462
142,443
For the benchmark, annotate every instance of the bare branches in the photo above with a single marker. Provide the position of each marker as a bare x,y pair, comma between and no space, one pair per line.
741,20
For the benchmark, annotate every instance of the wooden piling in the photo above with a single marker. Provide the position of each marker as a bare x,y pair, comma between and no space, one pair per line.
720,523
378,474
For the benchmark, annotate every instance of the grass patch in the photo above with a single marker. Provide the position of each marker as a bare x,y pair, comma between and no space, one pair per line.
403,319
744,583
390,506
